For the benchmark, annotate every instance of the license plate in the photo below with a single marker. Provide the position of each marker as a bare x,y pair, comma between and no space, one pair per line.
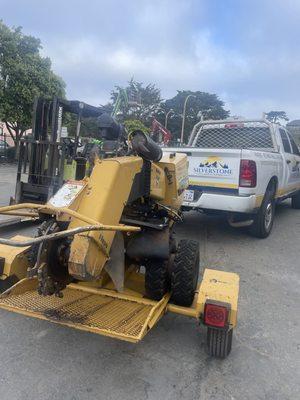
188,195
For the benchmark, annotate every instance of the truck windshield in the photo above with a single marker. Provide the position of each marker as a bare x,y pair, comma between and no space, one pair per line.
235,136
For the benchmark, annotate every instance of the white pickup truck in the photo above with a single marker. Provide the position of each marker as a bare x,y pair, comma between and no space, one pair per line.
242,167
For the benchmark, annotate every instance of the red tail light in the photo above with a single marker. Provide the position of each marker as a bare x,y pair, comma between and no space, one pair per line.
247,173
216,314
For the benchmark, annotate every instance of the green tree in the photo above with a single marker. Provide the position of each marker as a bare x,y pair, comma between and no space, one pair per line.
134,124
275,116
141,104
206,104
24,74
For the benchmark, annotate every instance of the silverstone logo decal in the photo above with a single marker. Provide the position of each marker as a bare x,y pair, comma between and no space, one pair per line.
213,166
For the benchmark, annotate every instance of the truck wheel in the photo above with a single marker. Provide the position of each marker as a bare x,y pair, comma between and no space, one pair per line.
219,342
185,272
296,201
156,279
263,220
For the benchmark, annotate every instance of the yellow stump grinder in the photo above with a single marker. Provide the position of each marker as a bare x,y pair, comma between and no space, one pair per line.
105,259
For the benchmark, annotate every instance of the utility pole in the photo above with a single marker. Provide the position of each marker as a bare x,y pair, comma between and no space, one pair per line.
183,117
167,115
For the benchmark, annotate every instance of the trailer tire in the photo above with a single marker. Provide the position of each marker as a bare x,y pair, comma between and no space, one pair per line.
219,342
296,201
263,220
156,279
185,272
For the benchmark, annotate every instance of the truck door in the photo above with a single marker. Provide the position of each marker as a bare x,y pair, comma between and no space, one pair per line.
291,167
296,154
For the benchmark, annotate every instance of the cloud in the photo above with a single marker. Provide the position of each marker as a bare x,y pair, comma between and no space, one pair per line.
207,67
246,52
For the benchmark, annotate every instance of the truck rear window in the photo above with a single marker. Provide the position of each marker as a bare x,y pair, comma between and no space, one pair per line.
237,136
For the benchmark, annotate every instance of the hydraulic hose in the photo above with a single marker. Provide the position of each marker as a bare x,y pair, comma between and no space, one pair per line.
69,232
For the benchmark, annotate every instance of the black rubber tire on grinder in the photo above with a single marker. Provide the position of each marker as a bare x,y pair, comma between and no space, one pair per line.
156,279
185,273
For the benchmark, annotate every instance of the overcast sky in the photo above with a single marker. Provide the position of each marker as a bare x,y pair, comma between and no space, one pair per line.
246,51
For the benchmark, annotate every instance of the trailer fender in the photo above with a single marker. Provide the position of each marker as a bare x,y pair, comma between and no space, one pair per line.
221,287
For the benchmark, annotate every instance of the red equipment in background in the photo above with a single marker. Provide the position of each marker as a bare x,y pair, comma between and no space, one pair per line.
159,131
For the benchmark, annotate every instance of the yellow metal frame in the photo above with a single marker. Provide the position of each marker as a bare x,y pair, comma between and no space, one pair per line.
15,260
126,315
28,287
63,210
96,306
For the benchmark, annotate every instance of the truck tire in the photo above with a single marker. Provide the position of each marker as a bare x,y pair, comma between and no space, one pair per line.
263,220
296,201
156,279
185,272
219,342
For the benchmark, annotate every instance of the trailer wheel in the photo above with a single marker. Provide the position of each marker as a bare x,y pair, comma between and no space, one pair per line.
263,220
296,201
219,342
185,272
156,279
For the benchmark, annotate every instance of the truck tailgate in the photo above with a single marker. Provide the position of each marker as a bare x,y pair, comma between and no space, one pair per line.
215,168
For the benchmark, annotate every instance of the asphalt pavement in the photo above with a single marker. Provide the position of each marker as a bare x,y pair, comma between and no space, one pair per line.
44,361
